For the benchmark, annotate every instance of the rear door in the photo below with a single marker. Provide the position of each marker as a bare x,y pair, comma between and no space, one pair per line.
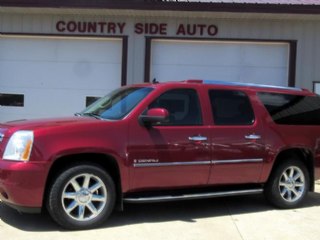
237,137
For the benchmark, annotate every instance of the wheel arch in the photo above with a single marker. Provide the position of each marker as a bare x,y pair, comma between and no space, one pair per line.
107,162
303,154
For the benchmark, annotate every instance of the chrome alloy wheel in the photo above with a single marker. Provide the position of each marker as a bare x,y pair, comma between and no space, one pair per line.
292,184
84,197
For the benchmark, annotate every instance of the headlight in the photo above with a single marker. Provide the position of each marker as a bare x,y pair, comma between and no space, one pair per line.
19,146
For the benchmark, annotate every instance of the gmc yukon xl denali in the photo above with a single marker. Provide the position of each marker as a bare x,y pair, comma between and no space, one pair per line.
162,142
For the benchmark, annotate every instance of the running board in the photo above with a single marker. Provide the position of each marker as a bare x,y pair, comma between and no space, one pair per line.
168,198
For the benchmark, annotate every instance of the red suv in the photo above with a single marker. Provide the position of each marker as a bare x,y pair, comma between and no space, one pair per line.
162,142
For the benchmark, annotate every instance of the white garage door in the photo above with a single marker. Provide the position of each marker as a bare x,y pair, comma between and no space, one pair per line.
53,76
249,62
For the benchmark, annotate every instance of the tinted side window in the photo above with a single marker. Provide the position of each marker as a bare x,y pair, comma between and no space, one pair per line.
292,109
182,105
231,107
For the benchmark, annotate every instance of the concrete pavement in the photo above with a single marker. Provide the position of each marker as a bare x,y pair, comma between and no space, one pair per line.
243,218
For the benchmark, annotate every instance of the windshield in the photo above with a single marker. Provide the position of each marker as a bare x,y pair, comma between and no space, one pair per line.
117,104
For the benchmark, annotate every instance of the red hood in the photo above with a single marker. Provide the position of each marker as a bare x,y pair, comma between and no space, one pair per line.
44,123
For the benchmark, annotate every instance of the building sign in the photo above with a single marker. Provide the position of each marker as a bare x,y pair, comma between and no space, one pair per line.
139,28
182,29
90,27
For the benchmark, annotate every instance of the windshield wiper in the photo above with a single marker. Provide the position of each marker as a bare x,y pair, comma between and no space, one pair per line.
89,114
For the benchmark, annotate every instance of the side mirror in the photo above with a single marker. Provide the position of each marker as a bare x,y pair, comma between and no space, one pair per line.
154,115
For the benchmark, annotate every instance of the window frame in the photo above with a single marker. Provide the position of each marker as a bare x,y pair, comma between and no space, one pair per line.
199,105
246,94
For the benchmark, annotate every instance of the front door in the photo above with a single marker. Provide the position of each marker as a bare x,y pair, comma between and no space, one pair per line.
172,154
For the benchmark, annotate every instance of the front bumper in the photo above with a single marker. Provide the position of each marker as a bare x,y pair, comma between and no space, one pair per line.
22,185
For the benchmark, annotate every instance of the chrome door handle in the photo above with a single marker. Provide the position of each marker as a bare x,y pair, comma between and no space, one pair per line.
198,138
252,137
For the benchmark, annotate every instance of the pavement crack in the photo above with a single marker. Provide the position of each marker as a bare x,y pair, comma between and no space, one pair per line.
233,219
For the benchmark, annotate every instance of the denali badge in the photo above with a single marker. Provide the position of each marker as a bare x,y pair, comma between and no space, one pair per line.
151,160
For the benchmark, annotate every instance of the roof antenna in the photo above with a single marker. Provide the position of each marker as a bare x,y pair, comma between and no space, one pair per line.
154,81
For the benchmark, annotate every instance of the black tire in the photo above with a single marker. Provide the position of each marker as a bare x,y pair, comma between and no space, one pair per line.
290,192
89,195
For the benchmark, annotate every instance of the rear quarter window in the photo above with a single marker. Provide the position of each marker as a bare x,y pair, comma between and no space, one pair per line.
291,109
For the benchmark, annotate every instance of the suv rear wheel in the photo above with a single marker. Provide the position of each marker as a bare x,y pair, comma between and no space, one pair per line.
288,184
81,197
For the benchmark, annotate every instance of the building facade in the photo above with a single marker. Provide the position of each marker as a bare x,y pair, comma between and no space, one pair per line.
58,56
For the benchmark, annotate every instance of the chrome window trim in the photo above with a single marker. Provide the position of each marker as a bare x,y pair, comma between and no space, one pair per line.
169,164
231,161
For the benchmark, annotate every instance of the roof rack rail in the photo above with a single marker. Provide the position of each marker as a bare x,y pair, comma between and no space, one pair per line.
217,82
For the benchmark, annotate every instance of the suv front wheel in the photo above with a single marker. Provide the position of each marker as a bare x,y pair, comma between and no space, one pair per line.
288,184
81,197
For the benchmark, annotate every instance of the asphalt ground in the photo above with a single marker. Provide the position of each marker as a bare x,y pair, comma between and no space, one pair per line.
245,217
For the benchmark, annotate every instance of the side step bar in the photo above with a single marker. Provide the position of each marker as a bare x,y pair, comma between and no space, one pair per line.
167,198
